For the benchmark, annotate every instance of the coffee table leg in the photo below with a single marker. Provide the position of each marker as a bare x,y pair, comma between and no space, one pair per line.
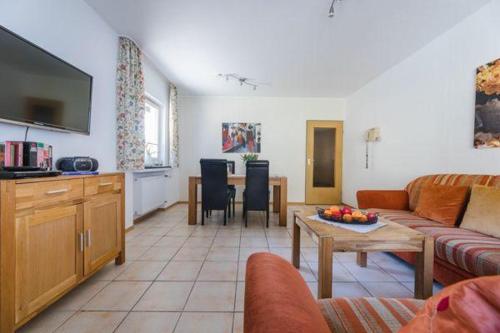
325,269
361,258
423,269
296,243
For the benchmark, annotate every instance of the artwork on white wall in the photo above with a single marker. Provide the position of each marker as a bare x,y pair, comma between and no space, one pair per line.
487,114
241,137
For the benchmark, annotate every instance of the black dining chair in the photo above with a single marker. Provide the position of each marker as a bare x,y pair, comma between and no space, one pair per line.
231,167
256,194
214,192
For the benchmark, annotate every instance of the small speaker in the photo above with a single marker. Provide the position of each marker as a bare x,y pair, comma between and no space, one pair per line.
77,163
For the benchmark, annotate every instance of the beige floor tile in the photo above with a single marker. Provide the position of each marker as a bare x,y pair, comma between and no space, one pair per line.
248,251
180,271
160,231
144,240
238,323
253,242
349,289
117,296
91,322
387,289
223,254
371,273
149,322
219,271
226,242
242,269
224,232
169,241
283,252
194,241
165,296
48,321
159,253
212,296
240,297
280,242
142,271
110,271
205,322
190,254
132,252
80,296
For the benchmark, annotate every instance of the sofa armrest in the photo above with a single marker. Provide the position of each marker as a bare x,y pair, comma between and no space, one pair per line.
387,199
277,299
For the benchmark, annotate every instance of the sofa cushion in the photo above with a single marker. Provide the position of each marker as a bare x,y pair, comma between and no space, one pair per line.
415,186
368,314
442,203
469,306
483,211
405,218
472,251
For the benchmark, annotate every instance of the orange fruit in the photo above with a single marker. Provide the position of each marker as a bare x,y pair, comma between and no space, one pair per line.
347,218
363,219
335,208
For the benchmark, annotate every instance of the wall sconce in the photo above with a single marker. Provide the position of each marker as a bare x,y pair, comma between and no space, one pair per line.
372,135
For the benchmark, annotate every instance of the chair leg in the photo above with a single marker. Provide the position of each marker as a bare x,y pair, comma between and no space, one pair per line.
225,216
234,209
267,217
229,208
246,218
202,217
206,212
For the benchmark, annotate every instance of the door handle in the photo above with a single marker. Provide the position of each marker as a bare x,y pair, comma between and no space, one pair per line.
81,241
88,238
64,190
105,184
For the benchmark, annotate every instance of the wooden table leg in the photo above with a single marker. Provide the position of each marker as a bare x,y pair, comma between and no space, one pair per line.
325,269
283,201
362,259
296,244
193,201
423,269
276,199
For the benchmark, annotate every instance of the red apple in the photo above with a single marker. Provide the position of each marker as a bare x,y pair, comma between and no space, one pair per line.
371,217
337,216
346,210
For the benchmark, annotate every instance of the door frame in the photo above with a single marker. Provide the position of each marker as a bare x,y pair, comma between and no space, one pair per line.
339,124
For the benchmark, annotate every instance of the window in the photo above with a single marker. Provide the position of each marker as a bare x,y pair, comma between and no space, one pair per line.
153,130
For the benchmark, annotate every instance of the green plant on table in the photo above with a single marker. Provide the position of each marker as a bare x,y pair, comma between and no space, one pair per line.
249,157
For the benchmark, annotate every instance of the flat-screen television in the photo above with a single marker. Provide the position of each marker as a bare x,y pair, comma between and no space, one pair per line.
39,89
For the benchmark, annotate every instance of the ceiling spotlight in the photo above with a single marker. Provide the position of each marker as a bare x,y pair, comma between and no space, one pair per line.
331,13
243,81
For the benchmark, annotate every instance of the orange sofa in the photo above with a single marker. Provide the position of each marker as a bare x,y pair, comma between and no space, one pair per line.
459,253
277,300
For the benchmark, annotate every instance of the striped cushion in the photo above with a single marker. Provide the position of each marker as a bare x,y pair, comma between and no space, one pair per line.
474,252
405,218
416,185
368,314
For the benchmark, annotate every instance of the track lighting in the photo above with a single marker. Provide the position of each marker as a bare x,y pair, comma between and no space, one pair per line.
331,12
241,79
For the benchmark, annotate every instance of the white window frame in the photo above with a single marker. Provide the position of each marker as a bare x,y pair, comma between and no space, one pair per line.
162,132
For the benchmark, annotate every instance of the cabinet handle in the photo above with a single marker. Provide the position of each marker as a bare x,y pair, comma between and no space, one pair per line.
64,190
89,241
81,242
105,184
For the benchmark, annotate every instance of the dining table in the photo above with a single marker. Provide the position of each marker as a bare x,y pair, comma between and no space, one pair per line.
278,183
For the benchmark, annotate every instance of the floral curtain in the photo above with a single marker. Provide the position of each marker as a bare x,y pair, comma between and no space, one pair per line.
173,129
130,106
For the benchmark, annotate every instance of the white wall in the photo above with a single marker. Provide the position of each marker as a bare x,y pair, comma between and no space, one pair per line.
74,32
283,133
425,108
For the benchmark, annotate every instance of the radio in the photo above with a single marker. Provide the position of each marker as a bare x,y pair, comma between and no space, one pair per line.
77,163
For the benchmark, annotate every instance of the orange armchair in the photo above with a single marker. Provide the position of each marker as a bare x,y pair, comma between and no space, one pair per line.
386,199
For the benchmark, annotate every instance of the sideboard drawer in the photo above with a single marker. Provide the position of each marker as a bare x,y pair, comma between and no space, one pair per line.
102,184
41,194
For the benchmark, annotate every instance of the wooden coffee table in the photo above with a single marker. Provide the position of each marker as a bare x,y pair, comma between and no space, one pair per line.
391,238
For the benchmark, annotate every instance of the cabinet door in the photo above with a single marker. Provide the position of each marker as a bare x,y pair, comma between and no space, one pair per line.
102,218
49,256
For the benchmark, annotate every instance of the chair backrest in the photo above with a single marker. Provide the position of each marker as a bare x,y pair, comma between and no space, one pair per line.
231,167
213,183
257,184
415,186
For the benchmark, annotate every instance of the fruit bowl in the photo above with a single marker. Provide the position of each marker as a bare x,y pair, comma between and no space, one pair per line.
347,215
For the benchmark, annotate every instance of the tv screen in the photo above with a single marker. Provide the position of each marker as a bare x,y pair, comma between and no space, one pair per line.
39,89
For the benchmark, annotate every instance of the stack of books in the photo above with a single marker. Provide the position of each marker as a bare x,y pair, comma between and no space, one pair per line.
26,154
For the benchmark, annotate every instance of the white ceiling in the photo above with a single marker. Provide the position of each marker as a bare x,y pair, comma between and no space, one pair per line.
291,44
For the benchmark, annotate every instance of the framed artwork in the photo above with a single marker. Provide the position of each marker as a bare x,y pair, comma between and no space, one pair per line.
241,137
487,113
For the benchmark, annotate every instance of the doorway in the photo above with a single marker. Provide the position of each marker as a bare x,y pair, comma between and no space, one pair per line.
324,162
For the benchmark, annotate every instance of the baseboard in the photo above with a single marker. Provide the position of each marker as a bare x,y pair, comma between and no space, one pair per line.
151,213
129,229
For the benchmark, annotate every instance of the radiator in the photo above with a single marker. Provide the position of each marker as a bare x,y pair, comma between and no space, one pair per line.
150,192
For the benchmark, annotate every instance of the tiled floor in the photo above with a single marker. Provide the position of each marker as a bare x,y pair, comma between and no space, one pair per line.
181,278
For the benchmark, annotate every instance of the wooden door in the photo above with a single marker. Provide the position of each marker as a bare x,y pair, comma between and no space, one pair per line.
324,162
49,260
102,218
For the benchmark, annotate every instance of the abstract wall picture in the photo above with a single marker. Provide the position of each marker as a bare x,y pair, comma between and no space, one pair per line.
241,137
487,120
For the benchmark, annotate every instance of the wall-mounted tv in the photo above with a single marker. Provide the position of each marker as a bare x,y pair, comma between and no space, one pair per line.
38,89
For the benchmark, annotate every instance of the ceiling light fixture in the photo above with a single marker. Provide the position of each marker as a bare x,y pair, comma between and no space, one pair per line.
331,12
241,79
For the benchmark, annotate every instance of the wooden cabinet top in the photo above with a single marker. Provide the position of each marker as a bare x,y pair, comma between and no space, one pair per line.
50,179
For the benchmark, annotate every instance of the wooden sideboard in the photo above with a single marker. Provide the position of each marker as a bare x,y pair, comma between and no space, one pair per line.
54,234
